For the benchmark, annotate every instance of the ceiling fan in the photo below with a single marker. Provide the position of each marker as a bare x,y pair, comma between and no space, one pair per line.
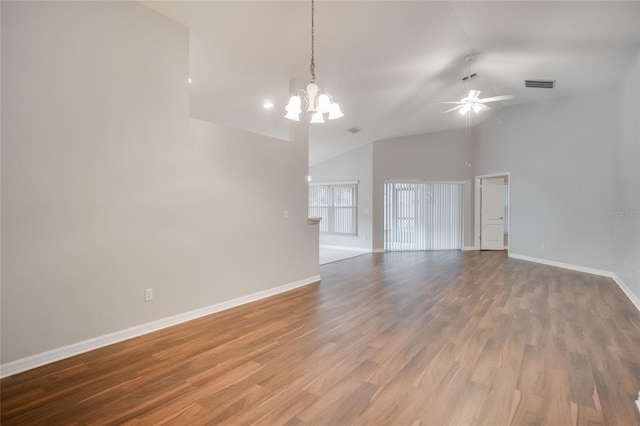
472,102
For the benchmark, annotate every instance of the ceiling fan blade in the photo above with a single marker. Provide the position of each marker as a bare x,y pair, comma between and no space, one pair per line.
454,108
495,98
482,107
473,94
453,102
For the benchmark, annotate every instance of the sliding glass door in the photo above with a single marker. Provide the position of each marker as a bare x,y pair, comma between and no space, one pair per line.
422,216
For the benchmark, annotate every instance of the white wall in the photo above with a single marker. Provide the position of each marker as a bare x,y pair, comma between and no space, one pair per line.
560,155
108,187
351,166
435,156
626,221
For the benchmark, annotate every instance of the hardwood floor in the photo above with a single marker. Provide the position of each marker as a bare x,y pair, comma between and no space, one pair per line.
440,338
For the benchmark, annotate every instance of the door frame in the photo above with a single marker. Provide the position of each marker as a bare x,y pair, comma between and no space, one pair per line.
476,208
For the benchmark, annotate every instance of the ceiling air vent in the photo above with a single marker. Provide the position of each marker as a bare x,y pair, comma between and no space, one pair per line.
540,84
354,129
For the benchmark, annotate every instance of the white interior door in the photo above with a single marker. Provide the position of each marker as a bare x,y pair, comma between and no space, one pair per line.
492,214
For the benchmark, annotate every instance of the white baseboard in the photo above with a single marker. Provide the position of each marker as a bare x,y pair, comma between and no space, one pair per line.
632,297
24,364
469,248
563,265
358,249
378,250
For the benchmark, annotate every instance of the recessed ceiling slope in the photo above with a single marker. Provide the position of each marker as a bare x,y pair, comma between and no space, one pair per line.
392,62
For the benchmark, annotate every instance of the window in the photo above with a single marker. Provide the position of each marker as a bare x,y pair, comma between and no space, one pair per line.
422,216
336,204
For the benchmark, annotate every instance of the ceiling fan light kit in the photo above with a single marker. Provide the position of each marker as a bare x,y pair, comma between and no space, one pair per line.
316,101
473,102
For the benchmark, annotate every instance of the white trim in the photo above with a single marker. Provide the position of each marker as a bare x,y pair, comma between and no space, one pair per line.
379,250
632,297
469,248
345,182
578,268
476,213
33,361
358,249
477,207
492,175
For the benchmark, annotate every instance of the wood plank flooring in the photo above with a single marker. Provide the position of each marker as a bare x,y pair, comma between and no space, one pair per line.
440,338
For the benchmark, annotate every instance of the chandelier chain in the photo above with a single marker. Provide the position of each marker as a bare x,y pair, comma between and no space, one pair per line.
316,101
312,68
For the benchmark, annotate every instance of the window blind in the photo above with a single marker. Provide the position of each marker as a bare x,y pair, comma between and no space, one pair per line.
336,204
422,216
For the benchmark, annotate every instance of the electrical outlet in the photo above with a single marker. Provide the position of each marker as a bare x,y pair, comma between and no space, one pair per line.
286,214
148,295
542,246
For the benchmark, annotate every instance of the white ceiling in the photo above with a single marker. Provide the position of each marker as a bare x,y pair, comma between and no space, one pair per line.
390,63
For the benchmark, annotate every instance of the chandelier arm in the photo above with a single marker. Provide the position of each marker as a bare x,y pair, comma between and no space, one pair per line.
304,97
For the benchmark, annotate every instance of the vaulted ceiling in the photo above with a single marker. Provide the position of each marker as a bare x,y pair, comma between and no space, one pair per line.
391,63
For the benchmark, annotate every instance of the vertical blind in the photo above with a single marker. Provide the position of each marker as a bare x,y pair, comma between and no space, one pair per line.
422,216
336,204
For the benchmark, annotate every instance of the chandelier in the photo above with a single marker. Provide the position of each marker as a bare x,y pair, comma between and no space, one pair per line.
315,100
